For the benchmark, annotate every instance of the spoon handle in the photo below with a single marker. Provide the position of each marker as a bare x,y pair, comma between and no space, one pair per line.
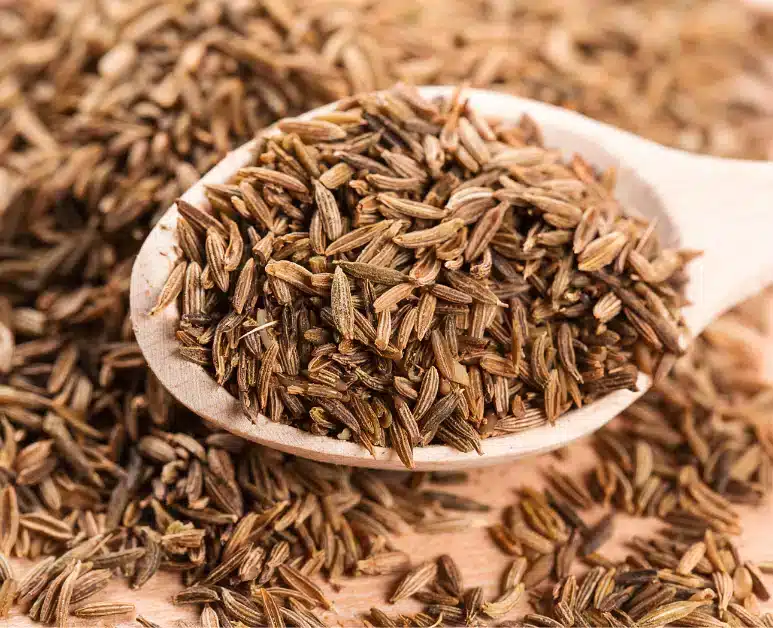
723,207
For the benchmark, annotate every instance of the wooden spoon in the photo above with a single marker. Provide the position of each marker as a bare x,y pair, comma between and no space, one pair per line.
721,206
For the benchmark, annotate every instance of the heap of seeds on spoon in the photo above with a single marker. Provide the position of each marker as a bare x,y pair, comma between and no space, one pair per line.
400,272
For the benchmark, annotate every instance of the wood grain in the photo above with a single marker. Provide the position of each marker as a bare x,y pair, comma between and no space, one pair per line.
481,562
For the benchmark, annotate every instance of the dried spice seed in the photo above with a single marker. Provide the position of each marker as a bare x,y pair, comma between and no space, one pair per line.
504,603
385,563
669,613
271,610
300,582
414,581
103,609
65,595
450,575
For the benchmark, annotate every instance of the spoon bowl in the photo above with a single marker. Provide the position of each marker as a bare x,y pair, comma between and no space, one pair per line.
723,207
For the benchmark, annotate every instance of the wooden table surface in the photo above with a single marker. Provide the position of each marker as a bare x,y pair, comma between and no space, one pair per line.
482,564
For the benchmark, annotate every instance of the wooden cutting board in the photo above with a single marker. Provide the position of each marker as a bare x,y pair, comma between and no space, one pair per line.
482,564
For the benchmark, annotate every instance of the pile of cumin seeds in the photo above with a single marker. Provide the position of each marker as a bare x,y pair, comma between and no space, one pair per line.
90,151
440,276
251,532
687,459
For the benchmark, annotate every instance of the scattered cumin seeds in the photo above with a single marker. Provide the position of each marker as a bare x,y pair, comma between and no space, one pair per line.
102,609
95,150
414,581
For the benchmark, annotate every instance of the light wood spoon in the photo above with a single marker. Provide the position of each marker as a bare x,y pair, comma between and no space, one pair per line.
721,206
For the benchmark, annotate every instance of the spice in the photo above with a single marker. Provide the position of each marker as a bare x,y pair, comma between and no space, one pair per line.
405,241
108,114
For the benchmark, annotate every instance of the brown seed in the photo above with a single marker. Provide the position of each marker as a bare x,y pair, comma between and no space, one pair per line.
505,603
393,296
241,609
300,582
273,177
414,581
148,565
90,583
427,393
473,600
601,251
216,259
691,558
445,362
723,584
255,204
426,314
336,176
607,307
235,249
65,596
8,592
669,613
401,443
328,211
45,607
411,208
198,217
432,236
568,553
245,286
566,351
371,272
383,330
742,582
195,595
103,609
227,565
46,525
406,419
384,563
484,231
476,289
558,213
171,289
316,130
439,412
712,552
747,618
596,536
209,618
341,303
9,519
271,609
539,571
530,538
266,369
758,581
117,559
293,274
55,427
450,575
357,237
